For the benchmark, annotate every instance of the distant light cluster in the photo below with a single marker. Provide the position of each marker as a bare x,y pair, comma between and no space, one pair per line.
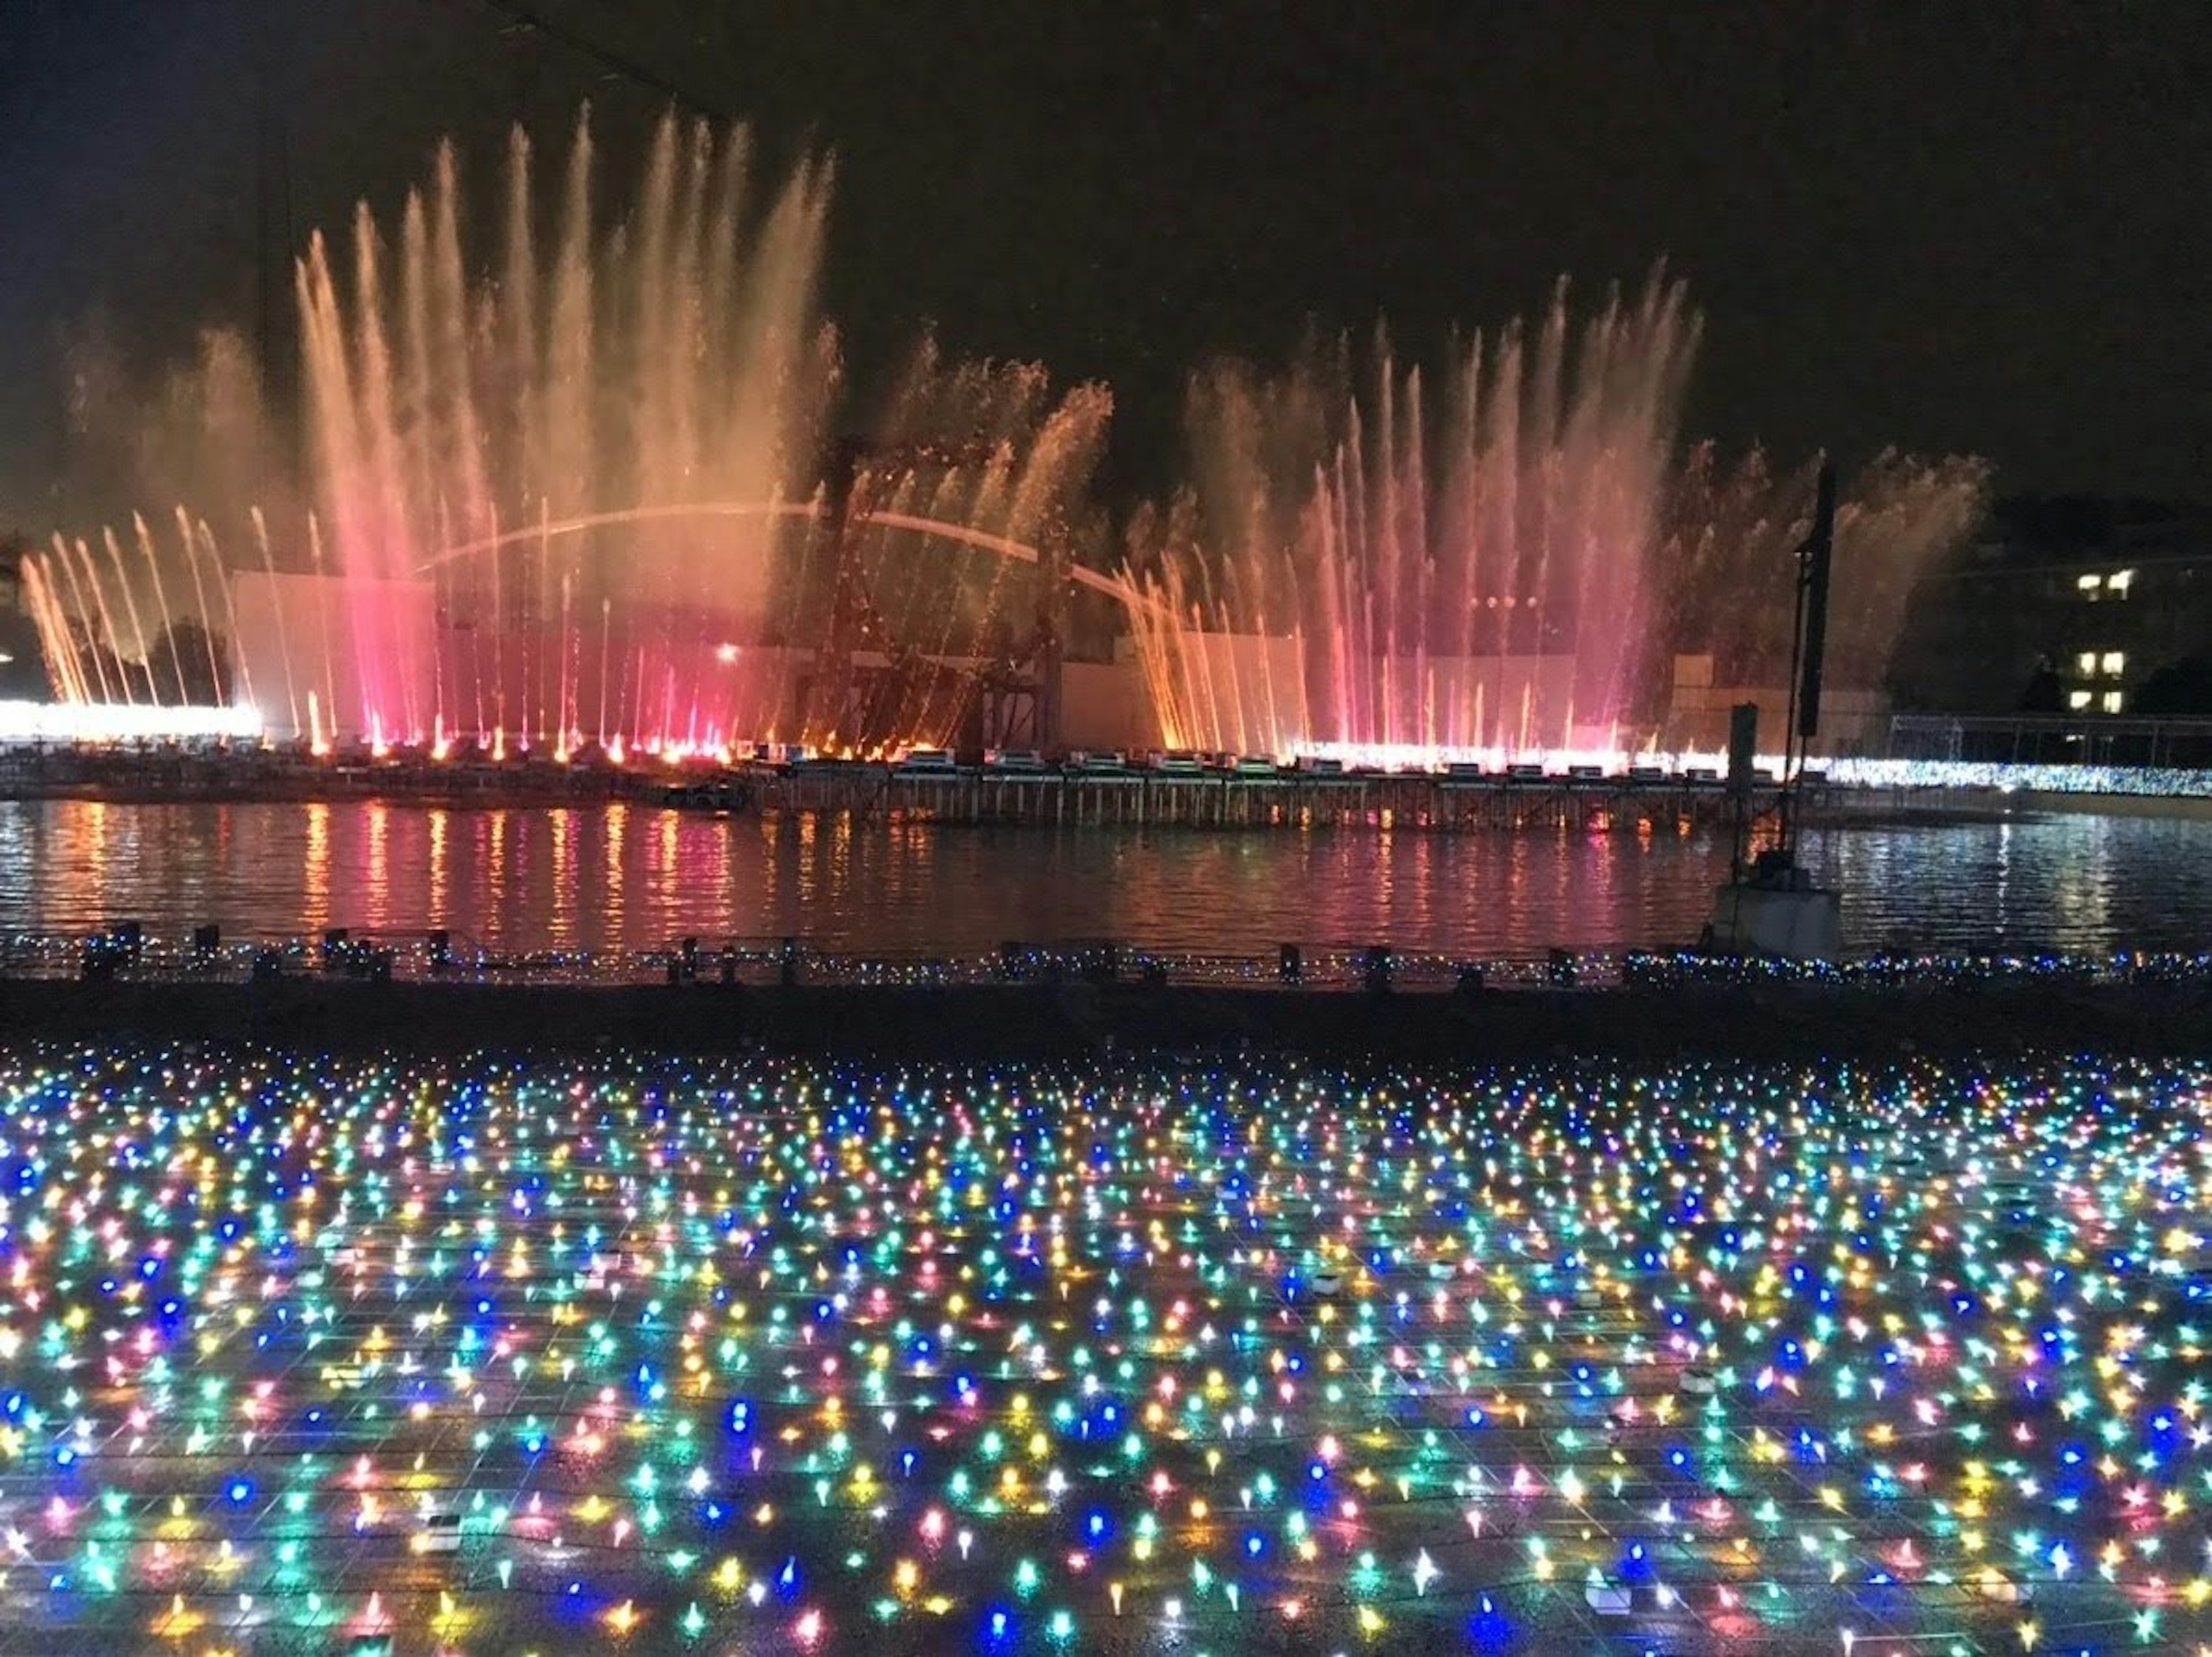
100,722
1495,757
1650,969
633,1353
2165,782
128,953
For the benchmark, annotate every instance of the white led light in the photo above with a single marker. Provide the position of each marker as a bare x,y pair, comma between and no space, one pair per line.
89,722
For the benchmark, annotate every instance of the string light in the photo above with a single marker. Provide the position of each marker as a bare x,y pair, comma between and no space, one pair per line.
765,961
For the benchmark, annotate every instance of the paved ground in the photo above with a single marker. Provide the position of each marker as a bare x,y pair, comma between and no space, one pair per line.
303,1353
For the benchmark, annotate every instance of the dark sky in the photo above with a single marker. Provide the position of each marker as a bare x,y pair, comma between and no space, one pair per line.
1974,226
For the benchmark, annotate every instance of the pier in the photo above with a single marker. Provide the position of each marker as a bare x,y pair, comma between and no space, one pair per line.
1168,793
1244,800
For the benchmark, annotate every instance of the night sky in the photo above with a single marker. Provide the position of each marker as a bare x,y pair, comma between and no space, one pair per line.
1979,226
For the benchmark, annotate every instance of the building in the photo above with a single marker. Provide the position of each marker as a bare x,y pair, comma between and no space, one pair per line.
2081,608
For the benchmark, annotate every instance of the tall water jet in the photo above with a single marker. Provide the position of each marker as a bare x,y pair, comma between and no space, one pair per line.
562,479
1504,569
1726,566
1368,561
956,546
600,438
666,357
449,412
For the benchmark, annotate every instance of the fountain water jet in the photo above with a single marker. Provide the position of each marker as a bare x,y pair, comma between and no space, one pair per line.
1503,570
616,425
491,460
1361,562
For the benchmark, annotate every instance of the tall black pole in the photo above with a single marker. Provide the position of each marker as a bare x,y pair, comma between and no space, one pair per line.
1809,643
1819,553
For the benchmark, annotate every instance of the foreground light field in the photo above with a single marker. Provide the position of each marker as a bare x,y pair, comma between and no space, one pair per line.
298,1354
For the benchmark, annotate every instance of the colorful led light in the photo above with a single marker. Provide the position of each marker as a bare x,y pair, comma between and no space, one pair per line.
641,1352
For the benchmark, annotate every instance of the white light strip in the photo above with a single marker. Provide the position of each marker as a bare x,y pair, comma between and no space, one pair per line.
2167,781
91,722
2163,781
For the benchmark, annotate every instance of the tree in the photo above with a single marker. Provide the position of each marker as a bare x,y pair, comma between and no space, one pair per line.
2045,694
23,653
2180,690
189,655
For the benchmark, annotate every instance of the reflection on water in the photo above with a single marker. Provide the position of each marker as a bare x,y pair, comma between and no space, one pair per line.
624,875
315,871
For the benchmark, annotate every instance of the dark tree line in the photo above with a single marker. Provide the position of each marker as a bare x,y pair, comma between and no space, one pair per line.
188,662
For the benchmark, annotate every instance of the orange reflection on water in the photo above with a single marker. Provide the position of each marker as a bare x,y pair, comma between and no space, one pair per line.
315,867
495,883
615,824
440,866
377,888
560,906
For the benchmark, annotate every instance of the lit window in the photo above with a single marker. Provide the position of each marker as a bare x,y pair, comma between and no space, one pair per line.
2090,583
2077,699
2116,662
2120,579
2111,702
2086,663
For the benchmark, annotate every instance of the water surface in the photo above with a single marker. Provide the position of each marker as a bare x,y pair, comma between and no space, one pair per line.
638,876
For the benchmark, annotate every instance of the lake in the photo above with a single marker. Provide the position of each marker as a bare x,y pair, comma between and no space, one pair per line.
627,875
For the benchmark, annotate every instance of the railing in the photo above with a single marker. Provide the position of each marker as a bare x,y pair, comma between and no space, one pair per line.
2051,739
127,954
